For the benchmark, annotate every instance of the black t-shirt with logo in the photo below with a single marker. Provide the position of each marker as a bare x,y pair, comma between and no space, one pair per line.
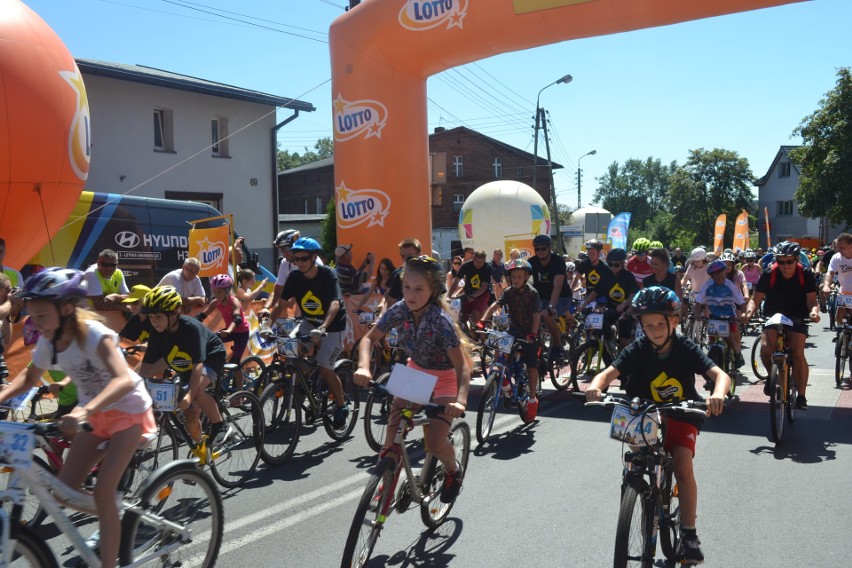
395,285
315,295
669,281
660,379
475,278
785,296
592,273
136,329
182,350
543,276
616,288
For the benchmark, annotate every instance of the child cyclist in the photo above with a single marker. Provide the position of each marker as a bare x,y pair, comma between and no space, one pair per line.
113,398
524,306
662,366
429,335
723,299
236,325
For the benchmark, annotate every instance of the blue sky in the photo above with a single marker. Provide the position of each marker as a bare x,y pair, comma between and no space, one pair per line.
741,82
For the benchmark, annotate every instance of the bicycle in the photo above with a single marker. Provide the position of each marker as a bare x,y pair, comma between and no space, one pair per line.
844,342
597,352
649,493
296,391
384,494
377,409
718,350
236,459
507,366
782,388
572,334
176,514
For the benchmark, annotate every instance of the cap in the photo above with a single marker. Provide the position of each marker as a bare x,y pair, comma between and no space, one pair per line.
136,293
341,250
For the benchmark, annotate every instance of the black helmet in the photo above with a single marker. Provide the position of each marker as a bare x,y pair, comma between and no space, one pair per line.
787,248
616,255
656,300
540,240
286,238
593,243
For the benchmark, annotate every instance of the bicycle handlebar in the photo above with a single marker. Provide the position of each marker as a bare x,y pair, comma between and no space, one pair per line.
645,406
431,409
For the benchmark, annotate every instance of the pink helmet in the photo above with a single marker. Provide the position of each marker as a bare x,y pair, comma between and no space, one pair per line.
222,281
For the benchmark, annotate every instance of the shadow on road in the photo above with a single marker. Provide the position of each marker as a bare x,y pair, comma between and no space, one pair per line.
431,549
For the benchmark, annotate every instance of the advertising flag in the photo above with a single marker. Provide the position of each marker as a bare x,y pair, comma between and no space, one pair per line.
741,232
766,218
210,246
617,230
719,234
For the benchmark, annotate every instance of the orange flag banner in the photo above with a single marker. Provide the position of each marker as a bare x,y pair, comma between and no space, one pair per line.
210,246
741,232
719,234
766,217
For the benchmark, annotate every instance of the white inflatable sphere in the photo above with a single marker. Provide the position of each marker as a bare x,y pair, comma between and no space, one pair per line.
503,212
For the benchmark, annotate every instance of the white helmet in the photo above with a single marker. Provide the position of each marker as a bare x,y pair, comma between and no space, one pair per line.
698,254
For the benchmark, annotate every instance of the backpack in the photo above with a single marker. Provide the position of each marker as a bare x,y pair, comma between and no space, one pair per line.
800,272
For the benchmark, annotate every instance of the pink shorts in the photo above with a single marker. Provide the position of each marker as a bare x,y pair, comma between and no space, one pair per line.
110,422
680,434
447,385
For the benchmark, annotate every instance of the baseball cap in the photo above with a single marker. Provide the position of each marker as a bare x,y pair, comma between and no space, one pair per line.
136,293
341,250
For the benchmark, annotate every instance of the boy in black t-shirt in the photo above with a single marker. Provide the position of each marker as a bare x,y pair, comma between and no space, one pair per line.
477,285
663,365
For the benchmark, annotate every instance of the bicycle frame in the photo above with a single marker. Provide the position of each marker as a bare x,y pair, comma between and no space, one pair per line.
408,422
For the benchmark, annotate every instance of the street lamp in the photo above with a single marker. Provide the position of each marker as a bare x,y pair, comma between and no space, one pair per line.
580,176
539,122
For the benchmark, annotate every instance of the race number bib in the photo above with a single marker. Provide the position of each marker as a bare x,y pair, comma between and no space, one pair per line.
17,441
632,430
844,301
718,328
594,321
164,395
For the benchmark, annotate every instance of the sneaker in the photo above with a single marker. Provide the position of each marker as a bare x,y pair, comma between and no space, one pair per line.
219,433
452,484
532,409
692,548
801,402
341,413
739,360
766,387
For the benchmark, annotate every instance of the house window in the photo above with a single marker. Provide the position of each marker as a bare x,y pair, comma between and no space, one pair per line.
319,205
219,137
458,166
497,164
164,138
458,201
784,169
785,207
520,173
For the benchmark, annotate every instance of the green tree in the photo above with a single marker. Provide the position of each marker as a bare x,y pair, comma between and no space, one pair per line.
637,186
328,229
324,149
825,160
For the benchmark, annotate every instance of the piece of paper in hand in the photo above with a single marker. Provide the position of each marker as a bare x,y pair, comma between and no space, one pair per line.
411,384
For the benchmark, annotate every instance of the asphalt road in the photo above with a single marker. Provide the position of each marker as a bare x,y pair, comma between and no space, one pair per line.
547,494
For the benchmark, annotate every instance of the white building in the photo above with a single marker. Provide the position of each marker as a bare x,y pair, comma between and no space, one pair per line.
161,134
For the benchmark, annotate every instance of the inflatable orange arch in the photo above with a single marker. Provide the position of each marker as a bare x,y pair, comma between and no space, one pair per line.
44,132
382,52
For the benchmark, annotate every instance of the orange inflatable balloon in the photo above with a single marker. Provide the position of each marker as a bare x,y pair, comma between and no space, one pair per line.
382,52
44,132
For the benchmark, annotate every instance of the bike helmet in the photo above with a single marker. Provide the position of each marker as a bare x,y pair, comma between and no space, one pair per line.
716,266
787,248
641,245
518,264
616,255
698,254
54,284
657,245
593,244
583,255
540,240
286,238
728,257
306,244
656,300
750,255
222,281
161,300
570,267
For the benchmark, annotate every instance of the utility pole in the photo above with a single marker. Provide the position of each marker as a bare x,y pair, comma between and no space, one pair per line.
551,190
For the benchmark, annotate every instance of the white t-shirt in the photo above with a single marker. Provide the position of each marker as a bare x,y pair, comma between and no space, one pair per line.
184,288
88,371
285,268
697,276
842,267
93,283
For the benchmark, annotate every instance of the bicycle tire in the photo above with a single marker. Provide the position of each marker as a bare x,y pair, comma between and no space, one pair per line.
841,352
777,408
731,369
487,407
185,495
148,460
30,514
486,359
635,524
282,418
523,396
792,395
30,551
252,369
363,535
670,521
351,393
236,459
559,369
376,416
432,511
590,357
756,362
717,354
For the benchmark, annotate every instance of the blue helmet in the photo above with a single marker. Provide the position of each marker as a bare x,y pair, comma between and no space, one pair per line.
54,284
306,244
656,300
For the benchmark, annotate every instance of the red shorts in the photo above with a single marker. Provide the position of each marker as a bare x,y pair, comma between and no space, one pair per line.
447,385
110,422
681,434
477,305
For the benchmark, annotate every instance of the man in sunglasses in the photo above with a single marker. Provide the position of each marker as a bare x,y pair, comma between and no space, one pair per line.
105,282
618,287
788,288
549,273
591,269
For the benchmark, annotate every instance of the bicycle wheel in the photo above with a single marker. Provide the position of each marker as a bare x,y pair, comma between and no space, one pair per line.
148,460
432,511
560,369
523,396
237,458
252,369
792,394
376,416
282,417
589,360
670,521
183,495
756,362
486,359
352,394
30,551
635,524
487,407
370,516
840,353
777,408
717,354
30,513
731,369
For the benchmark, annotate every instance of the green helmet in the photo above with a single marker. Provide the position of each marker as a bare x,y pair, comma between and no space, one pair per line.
656,245
641,245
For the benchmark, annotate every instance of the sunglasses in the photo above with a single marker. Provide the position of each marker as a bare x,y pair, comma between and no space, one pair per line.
614,264
109,264
786,262
457,264
541,249
301,258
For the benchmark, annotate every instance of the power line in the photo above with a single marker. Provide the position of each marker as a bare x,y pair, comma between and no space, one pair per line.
253,17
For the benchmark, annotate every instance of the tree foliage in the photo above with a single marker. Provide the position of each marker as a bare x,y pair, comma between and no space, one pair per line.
825,160
324,149
637,186
328,228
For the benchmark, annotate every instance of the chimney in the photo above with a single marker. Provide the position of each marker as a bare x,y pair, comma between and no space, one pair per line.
439,129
